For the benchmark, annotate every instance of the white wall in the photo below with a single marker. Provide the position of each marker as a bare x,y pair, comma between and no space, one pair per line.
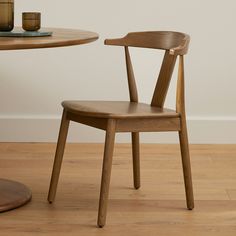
34,82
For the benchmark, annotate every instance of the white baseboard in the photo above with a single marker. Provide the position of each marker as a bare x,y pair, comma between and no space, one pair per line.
202,130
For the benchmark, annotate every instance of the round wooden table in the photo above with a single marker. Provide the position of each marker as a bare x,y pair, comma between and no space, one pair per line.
14,194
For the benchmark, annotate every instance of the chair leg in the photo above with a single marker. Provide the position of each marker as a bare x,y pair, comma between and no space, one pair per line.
183,137
58,157
106,172
136,160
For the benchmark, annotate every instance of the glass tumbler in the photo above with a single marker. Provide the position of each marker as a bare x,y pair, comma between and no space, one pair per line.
31,21
6,15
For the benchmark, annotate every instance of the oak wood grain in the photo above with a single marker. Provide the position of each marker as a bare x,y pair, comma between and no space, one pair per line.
175,42
148,125
58,156
183,136
60,38
13,195
117,109
99,123
163,81
158,208
135,117
133,93
106,172
136,159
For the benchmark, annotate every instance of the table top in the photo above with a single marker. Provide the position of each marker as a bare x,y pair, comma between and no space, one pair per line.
60,38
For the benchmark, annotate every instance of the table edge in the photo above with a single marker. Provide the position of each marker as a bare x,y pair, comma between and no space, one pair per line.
72,42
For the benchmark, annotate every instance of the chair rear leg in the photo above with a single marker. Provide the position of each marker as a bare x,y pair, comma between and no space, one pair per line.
106,172
58,157
136,160
184,146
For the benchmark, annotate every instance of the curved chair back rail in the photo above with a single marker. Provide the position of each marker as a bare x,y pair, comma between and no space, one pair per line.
176,42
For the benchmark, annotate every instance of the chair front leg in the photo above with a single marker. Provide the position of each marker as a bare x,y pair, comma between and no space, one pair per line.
58,156
136,159
184,146
106,172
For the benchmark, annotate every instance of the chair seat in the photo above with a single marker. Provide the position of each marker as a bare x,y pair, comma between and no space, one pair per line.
117,109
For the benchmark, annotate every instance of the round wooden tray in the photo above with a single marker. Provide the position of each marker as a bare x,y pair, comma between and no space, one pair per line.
21,33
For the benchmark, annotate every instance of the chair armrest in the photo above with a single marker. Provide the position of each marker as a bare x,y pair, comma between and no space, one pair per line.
116,42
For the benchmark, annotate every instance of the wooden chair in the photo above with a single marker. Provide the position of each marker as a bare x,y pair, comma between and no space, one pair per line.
133,117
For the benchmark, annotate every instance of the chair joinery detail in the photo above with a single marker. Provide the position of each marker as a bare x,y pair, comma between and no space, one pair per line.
164,79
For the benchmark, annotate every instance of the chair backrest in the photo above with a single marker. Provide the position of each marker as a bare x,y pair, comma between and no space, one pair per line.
174,43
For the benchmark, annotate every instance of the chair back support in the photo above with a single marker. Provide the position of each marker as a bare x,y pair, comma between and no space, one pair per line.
174,43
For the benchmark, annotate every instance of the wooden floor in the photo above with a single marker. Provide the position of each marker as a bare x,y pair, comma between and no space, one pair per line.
158,208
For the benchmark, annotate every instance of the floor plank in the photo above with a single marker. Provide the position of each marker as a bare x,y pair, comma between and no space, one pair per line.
158,208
